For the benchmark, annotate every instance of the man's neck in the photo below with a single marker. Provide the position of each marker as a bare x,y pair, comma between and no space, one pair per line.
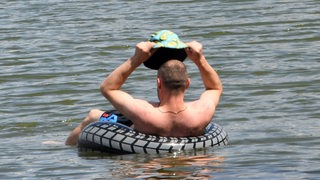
172,103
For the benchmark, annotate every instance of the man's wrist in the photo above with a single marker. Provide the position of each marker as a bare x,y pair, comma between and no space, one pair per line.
135,61
202,60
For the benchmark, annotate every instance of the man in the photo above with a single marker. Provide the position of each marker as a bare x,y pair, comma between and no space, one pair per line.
171,116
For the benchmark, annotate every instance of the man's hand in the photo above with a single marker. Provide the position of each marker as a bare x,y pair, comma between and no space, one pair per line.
194,51
143,52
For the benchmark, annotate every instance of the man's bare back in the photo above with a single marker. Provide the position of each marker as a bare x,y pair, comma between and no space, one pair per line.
189,121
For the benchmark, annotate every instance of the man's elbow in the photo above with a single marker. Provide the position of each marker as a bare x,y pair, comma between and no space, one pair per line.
221,89
217,88
104,90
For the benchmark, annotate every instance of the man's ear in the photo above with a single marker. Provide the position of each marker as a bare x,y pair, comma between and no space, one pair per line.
159,83
188,83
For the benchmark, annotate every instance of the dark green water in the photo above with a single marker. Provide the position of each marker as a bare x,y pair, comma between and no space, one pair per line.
54,54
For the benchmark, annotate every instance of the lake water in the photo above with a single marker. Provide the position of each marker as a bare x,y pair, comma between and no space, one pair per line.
55,53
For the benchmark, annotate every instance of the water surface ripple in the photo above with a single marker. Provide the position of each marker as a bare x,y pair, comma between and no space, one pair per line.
54,54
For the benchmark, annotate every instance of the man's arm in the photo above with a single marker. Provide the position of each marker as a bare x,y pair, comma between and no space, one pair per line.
110,87
209,76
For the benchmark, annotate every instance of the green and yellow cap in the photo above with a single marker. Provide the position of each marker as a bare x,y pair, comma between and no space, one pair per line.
169,46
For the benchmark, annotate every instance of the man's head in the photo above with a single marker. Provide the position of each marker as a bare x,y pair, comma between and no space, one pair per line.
173,76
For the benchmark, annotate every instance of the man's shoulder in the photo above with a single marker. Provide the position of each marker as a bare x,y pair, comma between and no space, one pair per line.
202,104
